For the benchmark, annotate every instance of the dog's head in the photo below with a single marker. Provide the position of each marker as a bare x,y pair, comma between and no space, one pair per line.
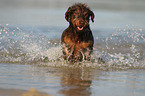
79,16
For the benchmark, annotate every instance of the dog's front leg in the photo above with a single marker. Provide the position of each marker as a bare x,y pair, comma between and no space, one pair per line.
67,51
70,50
87,54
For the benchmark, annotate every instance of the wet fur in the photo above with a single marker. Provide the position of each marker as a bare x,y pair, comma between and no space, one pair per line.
77,40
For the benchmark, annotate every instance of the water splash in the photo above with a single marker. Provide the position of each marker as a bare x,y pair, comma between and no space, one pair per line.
123,49
18,45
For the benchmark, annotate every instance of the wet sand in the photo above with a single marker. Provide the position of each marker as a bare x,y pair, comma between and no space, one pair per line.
16,92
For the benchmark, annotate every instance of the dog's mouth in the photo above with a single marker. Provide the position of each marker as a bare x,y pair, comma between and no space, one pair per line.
80,28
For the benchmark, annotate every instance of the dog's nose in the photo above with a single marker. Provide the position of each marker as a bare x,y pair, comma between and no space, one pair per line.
81,22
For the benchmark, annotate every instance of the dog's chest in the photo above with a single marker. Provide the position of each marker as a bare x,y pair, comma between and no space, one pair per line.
78,42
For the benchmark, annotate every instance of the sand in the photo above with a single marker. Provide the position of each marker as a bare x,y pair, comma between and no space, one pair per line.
16,92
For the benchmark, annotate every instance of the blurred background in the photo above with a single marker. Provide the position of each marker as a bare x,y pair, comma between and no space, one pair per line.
137,5
108,13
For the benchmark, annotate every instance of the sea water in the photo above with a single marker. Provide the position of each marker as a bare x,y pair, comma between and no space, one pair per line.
31,55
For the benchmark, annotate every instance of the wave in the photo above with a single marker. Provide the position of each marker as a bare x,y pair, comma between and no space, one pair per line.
123,49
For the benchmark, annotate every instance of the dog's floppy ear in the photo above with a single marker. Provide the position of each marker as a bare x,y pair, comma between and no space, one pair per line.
92,16
68,13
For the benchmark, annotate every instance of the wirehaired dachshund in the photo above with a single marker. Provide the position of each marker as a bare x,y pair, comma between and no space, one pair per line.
77,40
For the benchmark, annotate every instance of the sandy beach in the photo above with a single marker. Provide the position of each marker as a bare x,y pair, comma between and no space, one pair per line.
16,92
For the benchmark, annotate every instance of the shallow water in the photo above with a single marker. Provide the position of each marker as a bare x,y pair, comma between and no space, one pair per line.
30,53
24,65
69,81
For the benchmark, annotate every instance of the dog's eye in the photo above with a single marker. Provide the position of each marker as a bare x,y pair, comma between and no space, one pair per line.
86,15
73,16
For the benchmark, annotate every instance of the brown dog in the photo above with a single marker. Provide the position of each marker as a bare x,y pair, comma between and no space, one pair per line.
77,40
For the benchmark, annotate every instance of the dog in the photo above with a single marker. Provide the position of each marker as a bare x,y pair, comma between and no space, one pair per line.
77,40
